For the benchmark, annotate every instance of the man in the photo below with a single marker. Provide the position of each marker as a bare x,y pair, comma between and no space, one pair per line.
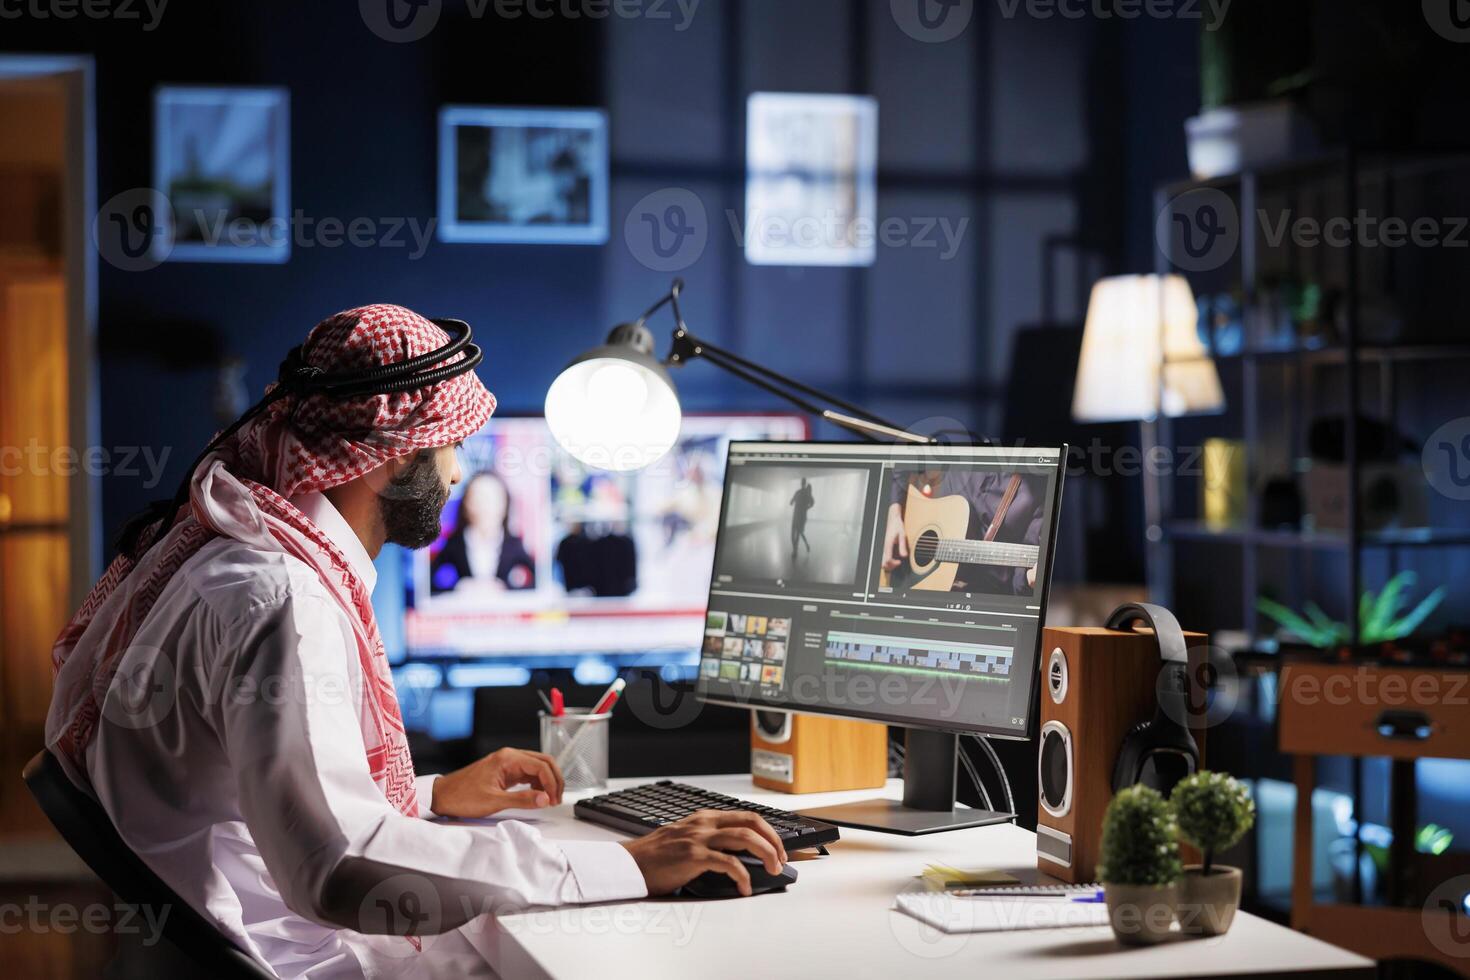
801,502
223,692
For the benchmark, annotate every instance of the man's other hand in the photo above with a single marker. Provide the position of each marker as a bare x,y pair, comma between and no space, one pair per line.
895,545
678,853
485,787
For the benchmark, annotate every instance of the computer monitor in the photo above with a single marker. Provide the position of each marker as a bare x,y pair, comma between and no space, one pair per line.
542,562
898,584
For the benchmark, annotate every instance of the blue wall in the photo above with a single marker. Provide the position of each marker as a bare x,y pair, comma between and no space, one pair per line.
1018,127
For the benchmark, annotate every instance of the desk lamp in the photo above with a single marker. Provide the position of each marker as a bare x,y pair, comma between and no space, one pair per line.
615,407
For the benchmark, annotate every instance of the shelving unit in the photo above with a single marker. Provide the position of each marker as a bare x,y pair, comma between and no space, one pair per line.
1306,364
1350,356
1323,540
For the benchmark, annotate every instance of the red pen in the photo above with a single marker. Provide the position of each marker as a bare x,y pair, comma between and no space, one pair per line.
609,697
558,703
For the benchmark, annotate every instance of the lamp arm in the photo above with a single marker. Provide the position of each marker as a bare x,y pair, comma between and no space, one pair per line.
869,430
672,296
742,371
864,427
687,347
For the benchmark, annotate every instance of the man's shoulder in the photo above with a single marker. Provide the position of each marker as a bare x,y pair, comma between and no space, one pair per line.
235,579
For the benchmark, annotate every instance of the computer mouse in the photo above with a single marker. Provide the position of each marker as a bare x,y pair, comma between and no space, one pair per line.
717,884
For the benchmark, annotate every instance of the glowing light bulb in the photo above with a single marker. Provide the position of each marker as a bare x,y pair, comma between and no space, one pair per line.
618,389
612,414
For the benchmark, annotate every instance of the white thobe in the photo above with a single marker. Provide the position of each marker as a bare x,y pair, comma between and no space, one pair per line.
238,774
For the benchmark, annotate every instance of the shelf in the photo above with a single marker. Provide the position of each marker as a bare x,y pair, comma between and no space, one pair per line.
1324,540
1324,162
1401,163
1375,353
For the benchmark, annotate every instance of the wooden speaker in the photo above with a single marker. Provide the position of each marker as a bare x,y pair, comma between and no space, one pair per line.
1096,684
815,754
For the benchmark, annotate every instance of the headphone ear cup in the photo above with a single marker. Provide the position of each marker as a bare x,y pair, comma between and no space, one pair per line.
1125,770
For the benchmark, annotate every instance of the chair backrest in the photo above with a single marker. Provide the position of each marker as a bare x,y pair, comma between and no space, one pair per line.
89,831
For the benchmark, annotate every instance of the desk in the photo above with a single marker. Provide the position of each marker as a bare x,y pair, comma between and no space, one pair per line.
838,921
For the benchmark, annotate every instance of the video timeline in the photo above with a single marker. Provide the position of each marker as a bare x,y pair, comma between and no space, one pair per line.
927,656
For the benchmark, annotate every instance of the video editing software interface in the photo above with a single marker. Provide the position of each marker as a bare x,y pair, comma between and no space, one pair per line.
897,583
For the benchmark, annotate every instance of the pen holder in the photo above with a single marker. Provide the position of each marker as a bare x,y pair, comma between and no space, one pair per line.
578,741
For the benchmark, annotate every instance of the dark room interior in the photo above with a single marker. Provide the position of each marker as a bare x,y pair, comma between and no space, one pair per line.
1028,314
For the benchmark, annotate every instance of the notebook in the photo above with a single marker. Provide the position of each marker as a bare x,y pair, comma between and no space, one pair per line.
995,910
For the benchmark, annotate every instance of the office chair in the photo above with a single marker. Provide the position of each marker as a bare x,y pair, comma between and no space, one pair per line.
87,829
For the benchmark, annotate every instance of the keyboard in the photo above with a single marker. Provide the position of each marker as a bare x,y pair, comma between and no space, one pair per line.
646,808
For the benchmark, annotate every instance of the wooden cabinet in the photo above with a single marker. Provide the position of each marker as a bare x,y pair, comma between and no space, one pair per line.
1402,713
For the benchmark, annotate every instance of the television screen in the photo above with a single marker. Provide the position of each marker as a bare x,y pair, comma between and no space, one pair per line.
541,561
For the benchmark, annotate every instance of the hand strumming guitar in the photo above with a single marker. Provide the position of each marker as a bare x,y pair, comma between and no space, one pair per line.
895,544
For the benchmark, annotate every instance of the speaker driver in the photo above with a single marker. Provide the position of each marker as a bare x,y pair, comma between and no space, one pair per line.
1056,676
774,726
1054,769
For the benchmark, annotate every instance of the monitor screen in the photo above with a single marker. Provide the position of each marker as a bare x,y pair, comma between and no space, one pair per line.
539,557
904,584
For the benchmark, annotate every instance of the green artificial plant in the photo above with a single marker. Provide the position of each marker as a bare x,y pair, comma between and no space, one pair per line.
1213,811
1379,616
1140,841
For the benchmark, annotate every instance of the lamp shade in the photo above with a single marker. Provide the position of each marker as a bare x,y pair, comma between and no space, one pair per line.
615,407
1141,353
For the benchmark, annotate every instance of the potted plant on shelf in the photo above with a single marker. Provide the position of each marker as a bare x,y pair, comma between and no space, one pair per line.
1213,811
1255,70
1381,616
1140,865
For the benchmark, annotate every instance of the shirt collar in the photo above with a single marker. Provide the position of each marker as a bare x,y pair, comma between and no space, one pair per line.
319,510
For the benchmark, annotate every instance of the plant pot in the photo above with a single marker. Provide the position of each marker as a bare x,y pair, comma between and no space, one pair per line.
1140,915
1207,903
1230,139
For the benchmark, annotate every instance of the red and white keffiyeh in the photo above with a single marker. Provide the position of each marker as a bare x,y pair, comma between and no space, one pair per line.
299,444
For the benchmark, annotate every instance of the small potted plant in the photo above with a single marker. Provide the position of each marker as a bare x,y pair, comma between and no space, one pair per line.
1213,811
1140,865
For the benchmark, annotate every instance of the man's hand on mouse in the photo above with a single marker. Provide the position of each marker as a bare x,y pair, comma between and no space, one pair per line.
678,853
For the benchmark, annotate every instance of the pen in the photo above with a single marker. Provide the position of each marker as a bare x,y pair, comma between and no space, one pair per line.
609,697
1086,895
558,703
604,703
544,700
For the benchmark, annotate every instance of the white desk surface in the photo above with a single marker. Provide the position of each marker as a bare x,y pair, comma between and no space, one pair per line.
838,920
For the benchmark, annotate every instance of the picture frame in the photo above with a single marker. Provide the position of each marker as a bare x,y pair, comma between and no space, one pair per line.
523,175
222,161
811,192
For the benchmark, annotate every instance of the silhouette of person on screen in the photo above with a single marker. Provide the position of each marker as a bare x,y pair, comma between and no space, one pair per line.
801,502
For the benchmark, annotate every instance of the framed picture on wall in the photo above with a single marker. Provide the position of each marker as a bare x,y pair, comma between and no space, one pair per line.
523,175
222,161
811,179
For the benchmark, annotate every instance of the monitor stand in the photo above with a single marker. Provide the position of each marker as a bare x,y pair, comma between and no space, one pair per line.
929,782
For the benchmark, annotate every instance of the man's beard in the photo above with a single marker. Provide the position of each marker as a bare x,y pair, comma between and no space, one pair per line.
412,502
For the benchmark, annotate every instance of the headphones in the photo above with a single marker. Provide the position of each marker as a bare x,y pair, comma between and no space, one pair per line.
1160,752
